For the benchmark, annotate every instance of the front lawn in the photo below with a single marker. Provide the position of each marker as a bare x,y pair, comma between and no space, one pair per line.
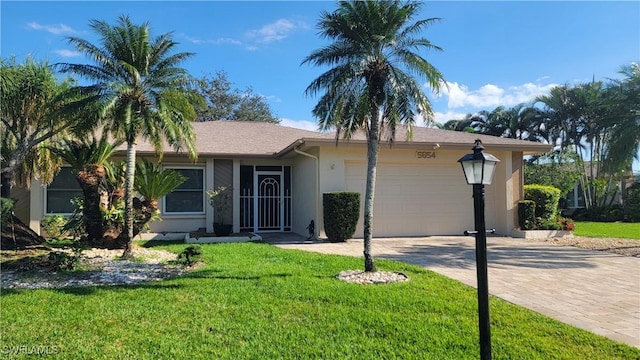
256,301
608,229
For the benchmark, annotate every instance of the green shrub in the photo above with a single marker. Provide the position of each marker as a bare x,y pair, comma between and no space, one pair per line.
548,225
341,212
6,207
63,261
600,214
527,214
546,198
190,255
53,224
632,204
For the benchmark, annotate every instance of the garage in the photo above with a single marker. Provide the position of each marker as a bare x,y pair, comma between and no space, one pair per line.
414,199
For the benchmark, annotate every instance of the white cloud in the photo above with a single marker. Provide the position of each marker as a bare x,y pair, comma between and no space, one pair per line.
272,98
275,31
253,39
218,41
67,53
299,124
443,117
490,95
54,29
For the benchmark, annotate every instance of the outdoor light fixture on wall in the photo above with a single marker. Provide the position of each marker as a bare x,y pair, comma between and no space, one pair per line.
478,170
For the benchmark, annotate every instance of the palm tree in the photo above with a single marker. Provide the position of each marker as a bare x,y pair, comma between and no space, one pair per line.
465,124
518,122
152,182
491,122
582,117
89,159
369,86
625,115
142,90
36,108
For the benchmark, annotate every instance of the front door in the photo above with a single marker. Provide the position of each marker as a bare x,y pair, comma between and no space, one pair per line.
268,203
265,198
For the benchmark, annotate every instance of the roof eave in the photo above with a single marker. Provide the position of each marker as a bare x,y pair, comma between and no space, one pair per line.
526,149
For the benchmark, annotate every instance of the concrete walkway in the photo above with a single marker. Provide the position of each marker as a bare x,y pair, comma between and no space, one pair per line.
592,290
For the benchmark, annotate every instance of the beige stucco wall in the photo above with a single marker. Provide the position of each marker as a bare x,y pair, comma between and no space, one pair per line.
499,195
305,200
22,205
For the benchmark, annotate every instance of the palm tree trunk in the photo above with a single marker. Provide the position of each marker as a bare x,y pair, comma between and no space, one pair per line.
5,190
128,197
372,161
90,180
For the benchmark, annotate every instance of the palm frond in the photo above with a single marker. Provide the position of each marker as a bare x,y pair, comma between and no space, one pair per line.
153,182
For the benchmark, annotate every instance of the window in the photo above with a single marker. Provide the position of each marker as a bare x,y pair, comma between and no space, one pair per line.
575,198
61,191
188,198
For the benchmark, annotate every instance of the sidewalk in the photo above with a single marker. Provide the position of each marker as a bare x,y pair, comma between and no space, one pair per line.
592,290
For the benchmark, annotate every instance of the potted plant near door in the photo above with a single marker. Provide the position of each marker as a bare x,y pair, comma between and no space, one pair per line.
221,200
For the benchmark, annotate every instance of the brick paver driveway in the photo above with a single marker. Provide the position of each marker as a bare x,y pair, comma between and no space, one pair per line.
592,290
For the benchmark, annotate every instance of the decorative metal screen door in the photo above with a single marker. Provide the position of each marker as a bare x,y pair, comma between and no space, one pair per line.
269,201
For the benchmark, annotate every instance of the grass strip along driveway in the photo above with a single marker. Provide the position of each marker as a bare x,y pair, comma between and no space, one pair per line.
608,229
256,301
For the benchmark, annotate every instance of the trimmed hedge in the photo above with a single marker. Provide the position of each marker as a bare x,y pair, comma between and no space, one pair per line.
527,214
341,211
632,204
546,198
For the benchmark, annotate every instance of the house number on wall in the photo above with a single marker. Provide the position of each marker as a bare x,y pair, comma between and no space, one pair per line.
425,154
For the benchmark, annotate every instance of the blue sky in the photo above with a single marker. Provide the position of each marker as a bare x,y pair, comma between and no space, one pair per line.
494,53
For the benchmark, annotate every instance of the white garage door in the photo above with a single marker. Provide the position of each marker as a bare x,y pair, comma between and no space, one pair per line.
415,200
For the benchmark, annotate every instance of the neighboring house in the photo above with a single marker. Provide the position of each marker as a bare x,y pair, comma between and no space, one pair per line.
575,197
278,175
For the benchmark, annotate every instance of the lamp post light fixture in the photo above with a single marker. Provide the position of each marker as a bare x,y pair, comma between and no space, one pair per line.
478,170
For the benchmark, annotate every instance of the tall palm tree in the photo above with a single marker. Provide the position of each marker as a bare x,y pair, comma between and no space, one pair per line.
142,90
625,103
370,86
581,117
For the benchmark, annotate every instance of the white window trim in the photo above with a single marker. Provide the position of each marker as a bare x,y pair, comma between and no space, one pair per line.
181,213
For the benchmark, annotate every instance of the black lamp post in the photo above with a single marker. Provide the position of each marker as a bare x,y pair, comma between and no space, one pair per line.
478,170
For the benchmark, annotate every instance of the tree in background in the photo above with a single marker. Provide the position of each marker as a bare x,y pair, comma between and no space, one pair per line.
555,168
581,119
625,115
598,121
465,124
224,103
369,86
142,91
518,122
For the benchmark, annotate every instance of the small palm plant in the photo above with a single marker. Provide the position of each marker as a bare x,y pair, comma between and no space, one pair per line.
152,182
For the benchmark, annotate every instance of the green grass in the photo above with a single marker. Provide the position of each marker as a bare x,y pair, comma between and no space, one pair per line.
256,301
608,229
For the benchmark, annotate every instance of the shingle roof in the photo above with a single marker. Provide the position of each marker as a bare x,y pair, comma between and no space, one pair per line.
242,138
